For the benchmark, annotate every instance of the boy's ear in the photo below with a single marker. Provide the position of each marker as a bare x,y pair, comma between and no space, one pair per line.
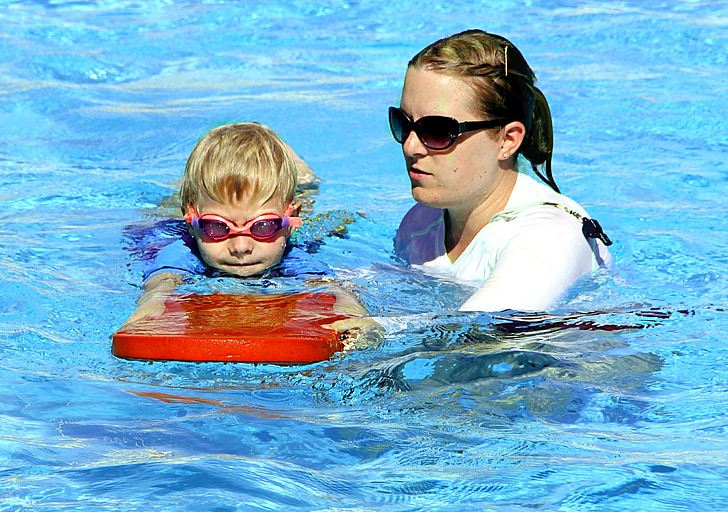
296,209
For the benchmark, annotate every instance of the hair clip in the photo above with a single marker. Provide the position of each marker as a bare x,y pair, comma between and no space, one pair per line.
505,52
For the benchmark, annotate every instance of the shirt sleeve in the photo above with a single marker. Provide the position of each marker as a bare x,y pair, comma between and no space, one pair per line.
420,235
299,263
177,257
544,256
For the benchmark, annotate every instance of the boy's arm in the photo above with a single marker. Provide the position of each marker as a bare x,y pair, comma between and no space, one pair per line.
156,288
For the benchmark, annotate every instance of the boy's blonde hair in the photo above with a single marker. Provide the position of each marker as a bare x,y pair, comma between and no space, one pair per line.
236,161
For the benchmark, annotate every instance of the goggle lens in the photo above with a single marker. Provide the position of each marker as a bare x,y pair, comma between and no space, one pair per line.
261,229
213,228
264,227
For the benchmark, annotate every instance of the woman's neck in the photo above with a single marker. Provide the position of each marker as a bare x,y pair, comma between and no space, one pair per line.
463,224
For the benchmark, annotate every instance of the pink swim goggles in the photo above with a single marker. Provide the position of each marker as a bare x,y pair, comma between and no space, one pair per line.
262,228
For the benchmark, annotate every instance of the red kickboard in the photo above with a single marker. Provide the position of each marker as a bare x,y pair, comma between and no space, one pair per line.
235,328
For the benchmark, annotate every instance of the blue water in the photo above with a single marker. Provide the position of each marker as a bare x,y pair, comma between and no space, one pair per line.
618,401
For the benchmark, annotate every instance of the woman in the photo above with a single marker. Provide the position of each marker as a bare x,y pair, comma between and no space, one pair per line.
469,108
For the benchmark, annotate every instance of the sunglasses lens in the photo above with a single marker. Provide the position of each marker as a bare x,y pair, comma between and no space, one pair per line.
399,125
214,228
436,132
266,228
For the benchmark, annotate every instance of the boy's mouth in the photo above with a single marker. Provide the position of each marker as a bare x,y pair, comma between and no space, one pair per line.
240,264
243,269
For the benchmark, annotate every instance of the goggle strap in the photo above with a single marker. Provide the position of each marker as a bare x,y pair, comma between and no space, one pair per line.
294,222
191,214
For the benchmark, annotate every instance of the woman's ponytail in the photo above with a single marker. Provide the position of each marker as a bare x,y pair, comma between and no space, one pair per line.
538,147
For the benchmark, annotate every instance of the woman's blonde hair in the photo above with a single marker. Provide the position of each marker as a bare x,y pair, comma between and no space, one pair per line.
503,84
237,161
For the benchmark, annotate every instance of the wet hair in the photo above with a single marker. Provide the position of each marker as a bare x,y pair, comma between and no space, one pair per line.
504,86
236,161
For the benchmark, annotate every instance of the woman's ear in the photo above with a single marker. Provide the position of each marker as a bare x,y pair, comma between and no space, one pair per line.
513,135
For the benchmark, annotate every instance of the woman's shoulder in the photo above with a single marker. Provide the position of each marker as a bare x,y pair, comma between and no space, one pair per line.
551,221
530,193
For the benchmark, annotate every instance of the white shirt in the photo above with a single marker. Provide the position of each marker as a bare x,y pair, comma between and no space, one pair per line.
524,259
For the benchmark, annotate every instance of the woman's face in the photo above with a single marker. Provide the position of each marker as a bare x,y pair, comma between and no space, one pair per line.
240,255
464,175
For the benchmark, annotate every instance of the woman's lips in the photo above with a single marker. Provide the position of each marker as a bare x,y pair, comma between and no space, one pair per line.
415,173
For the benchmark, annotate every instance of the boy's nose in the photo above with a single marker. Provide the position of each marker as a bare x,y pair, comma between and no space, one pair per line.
240,245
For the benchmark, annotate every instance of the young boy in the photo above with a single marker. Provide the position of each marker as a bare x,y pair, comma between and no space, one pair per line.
237,197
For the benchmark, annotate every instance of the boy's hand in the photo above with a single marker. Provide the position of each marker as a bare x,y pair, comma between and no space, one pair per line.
359,332
360,329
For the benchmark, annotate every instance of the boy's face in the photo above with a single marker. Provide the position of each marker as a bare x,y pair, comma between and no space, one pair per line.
240,255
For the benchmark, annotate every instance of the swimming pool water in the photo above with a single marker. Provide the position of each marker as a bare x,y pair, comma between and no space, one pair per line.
616,401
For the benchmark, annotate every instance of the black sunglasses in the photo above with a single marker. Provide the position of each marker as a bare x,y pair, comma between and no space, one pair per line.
435,132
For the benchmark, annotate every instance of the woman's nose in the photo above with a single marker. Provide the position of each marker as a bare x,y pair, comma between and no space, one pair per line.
413,145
